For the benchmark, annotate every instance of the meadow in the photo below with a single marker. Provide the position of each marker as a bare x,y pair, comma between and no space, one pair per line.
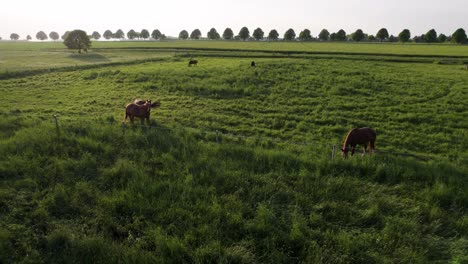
263,189
23,56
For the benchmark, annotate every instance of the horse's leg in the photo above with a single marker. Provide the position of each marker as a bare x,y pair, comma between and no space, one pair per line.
131,118
353,147
364,152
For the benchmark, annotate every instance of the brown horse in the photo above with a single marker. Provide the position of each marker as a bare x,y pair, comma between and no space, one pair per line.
142,111
192,62
359,136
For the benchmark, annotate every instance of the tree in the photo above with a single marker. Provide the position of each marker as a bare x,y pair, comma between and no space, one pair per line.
358,35
273,35
305,35
144,34
404,35
341,34
382,34
431,36
28,37
258,34
196,34
289,34
183,34
228,34
41,35
108,34
213,34
131,34
244,33
54,35
418,39
442,38
393,39
64,36
96,35
156,34
324,35
14,36
338,36
459,36
371,38
77,39
119,34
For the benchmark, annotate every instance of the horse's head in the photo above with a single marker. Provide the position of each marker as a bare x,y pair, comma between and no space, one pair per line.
148,104
344,152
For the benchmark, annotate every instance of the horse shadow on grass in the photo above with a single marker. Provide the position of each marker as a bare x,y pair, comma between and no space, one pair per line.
157,135
93,57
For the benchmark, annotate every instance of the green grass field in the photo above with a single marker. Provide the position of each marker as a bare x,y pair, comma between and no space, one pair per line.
269,192
21,56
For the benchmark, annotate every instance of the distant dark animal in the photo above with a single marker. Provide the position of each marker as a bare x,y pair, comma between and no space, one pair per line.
192,62
252,64
142,102
133,110
359,136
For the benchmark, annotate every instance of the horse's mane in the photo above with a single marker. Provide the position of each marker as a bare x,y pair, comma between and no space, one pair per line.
345,144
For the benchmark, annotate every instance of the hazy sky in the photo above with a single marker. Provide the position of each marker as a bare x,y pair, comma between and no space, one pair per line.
170,17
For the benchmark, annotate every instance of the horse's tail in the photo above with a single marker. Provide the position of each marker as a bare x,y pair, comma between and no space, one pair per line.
126,113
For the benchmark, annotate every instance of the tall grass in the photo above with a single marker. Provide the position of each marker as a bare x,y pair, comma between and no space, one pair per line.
282,99
101,195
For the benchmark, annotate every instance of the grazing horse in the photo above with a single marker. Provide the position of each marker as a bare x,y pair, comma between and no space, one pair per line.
359,136
252,64
142,111
192,62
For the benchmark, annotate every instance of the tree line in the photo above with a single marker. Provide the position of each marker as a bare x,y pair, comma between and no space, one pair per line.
459,36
